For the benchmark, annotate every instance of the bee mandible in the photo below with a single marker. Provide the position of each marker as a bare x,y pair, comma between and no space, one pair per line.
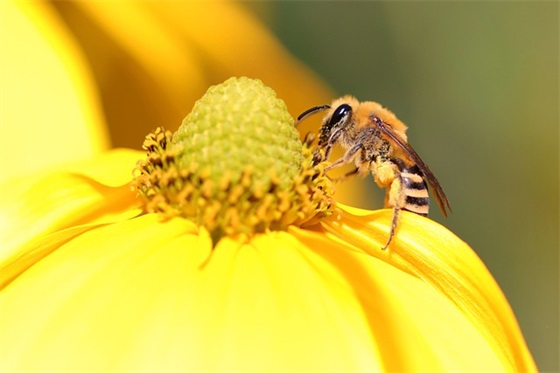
375,141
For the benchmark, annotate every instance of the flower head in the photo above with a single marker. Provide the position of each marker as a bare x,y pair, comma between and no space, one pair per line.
235,166
230,254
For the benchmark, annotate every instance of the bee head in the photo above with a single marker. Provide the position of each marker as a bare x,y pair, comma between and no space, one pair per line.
338,119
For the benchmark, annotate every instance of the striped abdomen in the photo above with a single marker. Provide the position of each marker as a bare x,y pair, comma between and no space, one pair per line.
415,191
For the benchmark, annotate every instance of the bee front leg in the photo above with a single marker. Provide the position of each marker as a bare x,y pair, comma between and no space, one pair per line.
330,143
347,175
347,157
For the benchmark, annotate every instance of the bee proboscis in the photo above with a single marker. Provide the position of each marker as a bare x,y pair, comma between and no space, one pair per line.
375,141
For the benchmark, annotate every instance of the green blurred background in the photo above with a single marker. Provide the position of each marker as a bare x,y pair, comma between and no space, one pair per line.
477,83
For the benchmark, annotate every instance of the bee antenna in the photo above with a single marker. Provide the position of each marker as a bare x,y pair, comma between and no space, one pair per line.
310,112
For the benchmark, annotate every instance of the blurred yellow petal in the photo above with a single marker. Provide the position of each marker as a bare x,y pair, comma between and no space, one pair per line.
88,193
45,90
234,42
112,168
153,45
154,59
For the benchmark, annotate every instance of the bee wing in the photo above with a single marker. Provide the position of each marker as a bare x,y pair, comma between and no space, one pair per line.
410,152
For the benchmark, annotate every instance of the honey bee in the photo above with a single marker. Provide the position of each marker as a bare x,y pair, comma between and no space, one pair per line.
375,141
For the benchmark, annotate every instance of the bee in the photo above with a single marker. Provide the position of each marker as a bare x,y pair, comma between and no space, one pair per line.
375,141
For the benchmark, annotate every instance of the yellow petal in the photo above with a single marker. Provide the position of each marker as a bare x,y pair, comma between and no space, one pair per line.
433,254
145,295
284,308
50,111
94,192
160,57
231,41
113,168
154,47
101,301
141,295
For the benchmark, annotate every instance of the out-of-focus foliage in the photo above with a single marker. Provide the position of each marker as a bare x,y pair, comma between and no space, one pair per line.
477,83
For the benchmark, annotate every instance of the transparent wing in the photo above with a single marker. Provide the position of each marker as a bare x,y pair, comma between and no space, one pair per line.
387,130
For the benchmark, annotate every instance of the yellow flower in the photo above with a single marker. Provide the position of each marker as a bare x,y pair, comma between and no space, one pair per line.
231,254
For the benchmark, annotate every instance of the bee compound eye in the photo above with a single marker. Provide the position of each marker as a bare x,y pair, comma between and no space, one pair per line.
340,115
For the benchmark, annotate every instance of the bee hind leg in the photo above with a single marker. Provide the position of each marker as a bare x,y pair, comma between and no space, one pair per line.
394,223
395,198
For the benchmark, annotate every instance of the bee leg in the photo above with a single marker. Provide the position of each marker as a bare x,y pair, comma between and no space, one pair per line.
347,157
335,164
394,222
354,172
332,140
317,157
395,198
327,151
308,139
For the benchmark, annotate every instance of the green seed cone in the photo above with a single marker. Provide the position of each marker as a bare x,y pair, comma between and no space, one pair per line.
239,123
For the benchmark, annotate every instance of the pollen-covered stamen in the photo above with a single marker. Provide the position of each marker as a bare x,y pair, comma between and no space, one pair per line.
236,166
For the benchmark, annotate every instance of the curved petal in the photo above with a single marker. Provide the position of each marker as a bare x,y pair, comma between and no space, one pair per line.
433,254
46,93
409,319
47,202
113,168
